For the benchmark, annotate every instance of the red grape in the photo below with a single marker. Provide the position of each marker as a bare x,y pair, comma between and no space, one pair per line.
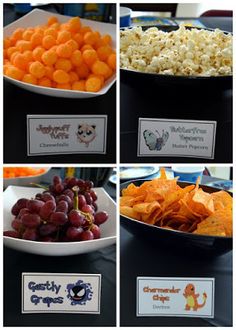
59,188
76,218
82,201
86,235
95,206
93,195
15,209
62,206
88,198
96,231
80,183
87,209
72,182
47,229
56,179
74,233
69,193
47,209
30,234
88,184
22,212
22,203
47,239
11,233
100,217
16,224
34,205
31,220
58,218
47,197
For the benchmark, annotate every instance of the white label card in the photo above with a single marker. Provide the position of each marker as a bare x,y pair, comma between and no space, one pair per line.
66,134
61,293
176,138
173,296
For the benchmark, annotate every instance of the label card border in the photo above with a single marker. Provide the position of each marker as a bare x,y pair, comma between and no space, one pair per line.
213,122
29,117
212,279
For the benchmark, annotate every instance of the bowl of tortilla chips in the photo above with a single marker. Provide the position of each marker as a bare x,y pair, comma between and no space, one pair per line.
178,214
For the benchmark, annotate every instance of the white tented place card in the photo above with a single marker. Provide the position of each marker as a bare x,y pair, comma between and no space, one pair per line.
66,134
61,293
175,296
176,138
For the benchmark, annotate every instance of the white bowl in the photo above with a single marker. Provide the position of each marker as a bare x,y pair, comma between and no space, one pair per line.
25,180
108,229
38,16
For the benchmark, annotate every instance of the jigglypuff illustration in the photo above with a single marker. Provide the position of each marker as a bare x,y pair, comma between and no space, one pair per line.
191,298
153,142
86,133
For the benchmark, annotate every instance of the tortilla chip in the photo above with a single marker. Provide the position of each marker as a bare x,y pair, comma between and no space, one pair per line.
129,212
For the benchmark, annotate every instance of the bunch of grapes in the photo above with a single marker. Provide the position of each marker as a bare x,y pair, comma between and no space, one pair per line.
66,212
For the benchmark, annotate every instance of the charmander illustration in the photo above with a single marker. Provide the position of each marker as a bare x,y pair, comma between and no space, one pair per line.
191,298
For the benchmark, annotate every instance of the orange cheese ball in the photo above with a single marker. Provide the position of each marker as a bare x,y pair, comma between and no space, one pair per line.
86,47
64,51
48,41
37,69
79,85
85,29
104,52
63,36
107,39
51,32
14,72
90,56
52,20
29,79
23,45
27,34
92,75
49,72
100,68
111,61
72,44
17,34
73,76
6,43
61,77
64,86
74,24
20,61
10,51
36,39
90,38
83,71
49,57
76,58
63,64
79,39
37,53
28,55
93,84
45,82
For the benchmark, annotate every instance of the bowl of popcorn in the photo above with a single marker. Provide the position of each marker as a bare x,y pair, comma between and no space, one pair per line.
176,54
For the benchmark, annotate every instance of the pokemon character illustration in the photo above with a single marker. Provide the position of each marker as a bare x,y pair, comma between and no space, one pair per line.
153,142
191,298
86,133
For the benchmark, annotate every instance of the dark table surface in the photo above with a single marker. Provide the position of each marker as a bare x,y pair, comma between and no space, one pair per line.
139,99
142,258
18,103
99,262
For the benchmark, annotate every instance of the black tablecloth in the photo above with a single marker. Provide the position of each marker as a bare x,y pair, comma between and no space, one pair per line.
140,99
140,257
99,262
18,103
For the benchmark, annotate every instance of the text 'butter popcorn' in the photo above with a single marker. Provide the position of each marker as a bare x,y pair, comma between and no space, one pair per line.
184,52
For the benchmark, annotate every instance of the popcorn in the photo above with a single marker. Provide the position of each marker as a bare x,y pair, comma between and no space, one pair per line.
190,52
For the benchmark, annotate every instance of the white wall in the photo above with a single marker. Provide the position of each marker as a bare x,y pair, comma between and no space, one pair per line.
196,9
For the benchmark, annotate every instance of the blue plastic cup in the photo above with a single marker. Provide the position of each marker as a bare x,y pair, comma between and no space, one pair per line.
125,17
188,174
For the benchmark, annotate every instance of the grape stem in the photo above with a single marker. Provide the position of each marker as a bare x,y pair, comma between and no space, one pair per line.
39,185
88,216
